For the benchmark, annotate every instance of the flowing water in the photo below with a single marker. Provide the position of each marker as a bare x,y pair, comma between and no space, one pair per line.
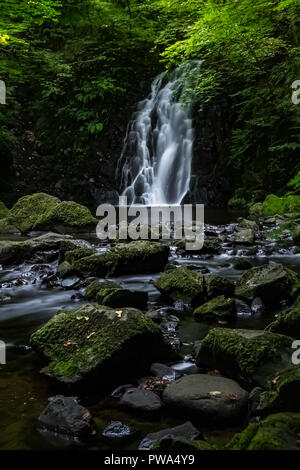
24,391
158,148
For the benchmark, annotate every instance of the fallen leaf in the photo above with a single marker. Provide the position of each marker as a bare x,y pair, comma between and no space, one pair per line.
222,322
119,313
213,372
68,343
91,334
215,394
274,381
86,415
231,396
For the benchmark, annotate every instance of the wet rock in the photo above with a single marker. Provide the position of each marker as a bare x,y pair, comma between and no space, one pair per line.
154,315
70,244
288,321
296,235
217,285
182,285
118,430
211,246
140,401
282,392
211,400
70,283
254,400
64,415
277,432
242,309
64,269
241,264
272,283
119,391
248,224
79,253
94,340
131,258
182,445
113,297
243,237
249,356
162,370
186,431
216,309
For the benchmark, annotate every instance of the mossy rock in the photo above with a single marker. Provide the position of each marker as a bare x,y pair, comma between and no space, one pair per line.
296,235
282,392
15,252
75,255
288,321
276,432
123,298
237,202
96,341
244,236
95,286
219,308
6,227
182,284
211,246
132,258
28,209
217,285
274,205
70,244
241,264
256,210
67,217
273,283
4,211
249,356
248,224
64,269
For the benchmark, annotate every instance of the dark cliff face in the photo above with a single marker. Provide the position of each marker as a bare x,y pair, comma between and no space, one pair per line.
210,180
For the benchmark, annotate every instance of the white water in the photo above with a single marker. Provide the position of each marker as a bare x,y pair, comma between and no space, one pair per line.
158,149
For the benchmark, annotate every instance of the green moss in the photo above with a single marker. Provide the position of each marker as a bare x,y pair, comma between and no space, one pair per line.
256,210
4,211
296,234
74,255
93,288
182,284
27,210
217,285
274,205
288,321
282,392
210,246
243,350
76,342
122,298
70,244
217,308
276,432
7,227
67,214
237,203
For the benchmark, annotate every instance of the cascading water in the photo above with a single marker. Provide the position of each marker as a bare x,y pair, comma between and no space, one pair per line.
158,148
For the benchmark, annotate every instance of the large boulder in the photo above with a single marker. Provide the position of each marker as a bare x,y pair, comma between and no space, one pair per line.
186,431
64,415
245,236
92,340
141,256
28,209
277,432
274,205
288,321
273,283
182,284
211,400
217,285
282,392
219,308
249,356
211,246
15,252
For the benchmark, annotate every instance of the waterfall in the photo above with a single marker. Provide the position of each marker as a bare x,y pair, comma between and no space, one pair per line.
156,159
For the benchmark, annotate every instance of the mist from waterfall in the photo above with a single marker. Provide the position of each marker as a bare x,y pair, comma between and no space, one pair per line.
155,163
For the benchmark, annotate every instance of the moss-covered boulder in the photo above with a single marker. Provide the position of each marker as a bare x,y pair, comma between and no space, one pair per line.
71,244
141,256
182,284
113,295
273,283
219,308
211,246
28,209
276,432
94,287
248,224
4,211
282,392
67,217
296,234
288,321
7,227
15,252
95,341
244,236
249,356
274,205
218,285
79,253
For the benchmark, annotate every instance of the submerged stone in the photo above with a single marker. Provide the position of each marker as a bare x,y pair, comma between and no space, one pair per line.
249,356
99,341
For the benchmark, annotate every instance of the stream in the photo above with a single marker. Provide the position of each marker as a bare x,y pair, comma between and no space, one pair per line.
28,303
